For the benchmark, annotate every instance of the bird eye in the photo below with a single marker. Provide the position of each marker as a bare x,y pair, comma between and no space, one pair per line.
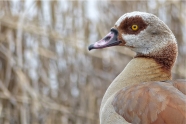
134,27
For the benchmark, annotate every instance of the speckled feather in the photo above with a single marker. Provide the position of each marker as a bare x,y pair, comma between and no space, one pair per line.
145,102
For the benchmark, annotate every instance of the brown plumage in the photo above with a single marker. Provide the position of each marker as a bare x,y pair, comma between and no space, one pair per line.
144,92
152,102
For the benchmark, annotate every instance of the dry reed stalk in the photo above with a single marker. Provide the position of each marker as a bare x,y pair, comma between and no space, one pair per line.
47,75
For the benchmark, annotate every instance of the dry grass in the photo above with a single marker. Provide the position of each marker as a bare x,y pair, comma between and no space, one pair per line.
47,76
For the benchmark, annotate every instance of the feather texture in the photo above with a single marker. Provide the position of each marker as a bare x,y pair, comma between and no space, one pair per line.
152,102
143,93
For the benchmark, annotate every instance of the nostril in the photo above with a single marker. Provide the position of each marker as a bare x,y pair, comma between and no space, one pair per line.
107,38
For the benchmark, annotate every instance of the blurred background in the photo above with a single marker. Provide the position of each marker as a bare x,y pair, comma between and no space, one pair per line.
47,74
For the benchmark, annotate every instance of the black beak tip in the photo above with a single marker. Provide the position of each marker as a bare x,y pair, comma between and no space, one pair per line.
91,47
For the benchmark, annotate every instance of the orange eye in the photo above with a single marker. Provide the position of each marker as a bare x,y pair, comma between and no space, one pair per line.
134,27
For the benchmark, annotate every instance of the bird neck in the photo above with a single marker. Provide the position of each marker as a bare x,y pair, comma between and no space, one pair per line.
165,57
138,70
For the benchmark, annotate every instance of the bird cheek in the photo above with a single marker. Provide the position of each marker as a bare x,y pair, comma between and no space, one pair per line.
123,42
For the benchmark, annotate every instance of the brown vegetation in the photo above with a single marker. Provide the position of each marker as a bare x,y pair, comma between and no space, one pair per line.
47,75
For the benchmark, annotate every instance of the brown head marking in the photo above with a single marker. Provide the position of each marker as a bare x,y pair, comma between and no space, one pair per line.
125,26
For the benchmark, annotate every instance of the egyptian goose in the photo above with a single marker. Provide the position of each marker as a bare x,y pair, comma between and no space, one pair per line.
143,93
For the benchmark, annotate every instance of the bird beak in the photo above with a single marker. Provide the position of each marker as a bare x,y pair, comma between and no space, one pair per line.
109,40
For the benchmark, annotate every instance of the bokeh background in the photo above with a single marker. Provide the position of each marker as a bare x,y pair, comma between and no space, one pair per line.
47,74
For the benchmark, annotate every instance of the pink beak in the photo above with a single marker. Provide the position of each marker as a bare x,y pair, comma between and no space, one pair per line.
109,40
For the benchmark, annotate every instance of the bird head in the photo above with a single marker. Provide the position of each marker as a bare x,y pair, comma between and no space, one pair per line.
142,32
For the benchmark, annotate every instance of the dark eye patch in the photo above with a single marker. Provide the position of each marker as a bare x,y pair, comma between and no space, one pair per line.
126,25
